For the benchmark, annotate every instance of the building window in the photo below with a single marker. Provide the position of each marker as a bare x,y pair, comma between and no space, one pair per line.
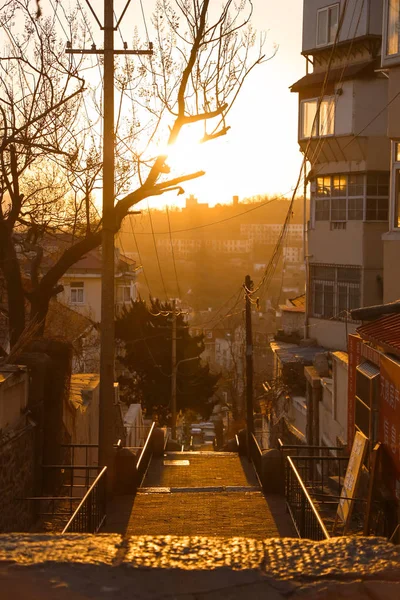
396,185
77,292
124,293
393,28
334,291
352,197
327,24
314,122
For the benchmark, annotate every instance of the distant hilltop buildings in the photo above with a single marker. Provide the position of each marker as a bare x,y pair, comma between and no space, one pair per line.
237,228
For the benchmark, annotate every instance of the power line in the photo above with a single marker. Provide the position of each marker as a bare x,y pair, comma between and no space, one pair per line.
245,212
173,255
271,267
156,251
140,259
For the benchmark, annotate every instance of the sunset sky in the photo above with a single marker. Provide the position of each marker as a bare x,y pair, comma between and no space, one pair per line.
259,155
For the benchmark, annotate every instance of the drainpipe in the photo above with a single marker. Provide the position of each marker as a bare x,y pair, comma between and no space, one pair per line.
305,254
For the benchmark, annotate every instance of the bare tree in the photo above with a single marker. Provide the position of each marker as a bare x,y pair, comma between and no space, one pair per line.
201,60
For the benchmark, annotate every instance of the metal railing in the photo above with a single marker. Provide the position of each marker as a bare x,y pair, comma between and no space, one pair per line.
144,457
255,453
91,512
305,516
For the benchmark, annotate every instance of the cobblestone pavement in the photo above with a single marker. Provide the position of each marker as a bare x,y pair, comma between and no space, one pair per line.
196,568
206,494
204,470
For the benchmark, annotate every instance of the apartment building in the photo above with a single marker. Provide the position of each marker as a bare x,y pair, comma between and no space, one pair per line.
342,130
391,68
268,233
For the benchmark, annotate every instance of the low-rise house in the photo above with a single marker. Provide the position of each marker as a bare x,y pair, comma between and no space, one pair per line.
82,284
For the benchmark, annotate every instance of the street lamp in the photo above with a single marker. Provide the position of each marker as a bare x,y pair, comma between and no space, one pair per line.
175,366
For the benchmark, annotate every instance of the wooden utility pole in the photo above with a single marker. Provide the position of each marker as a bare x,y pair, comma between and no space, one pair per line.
107,342
174,368
106,416
248,285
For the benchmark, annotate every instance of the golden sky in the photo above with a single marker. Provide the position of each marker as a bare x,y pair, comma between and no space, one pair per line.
259,155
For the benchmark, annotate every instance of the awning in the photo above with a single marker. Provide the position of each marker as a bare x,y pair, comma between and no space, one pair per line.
357,71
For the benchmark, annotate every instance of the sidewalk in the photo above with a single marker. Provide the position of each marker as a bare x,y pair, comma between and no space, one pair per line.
205,494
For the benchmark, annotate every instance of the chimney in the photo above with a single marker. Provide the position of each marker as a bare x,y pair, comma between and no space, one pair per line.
235,200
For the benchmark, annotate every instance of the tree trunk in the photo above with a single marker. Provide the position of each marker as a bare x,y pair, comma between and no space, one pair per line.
39,309
9,265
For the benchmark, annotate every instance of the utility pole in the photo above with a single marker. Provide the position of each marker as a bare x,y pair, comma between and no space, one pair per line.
174,368
107,342
248,285
106,408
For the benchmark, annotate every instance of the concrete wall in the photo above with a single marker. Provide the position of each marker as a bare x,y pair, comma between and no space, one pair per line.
344,109
370,98
292,322
91,306
311,7
338,247
13,395
393,130
17,472
81,415
333,407
391,266
330,334
340,390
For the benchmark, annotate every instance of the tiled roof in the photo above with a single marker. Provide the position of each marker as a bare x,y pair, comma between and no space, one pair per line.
295,309
65,324
289,353
383,332
81,388
299,301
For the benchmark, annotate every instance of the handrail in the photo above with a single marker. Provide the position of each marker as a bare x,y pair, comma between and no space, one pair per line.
79,445
282,446
320,458
147,442
84,501
308,499
257,444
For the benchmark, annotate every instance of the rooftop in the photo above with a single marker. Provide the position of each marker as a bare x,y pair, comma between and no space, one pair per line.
289,353
384,332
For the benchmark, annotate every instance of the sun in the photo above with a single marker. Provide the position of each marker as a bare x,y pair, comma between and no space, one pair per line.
187,155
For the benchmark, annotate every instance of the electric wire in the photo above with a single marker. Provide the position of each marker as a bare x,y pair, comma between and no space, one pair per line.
156,252
173,255
272,265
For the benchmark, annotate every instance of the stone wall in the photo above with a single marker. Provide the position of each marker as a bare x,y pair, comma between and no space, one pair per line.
17,469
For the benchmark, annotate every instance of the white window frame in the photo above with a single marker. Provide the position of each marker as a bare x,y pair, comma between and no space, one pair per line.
77,286
125,286
318,127
327,10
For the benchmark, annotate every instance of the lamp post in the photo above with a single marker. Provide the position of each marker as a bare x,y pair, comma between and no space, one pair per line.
175,366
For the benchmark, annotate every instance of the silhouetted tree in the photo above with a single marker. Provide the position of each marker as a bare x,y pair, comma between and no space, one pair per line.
145,336
201,59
